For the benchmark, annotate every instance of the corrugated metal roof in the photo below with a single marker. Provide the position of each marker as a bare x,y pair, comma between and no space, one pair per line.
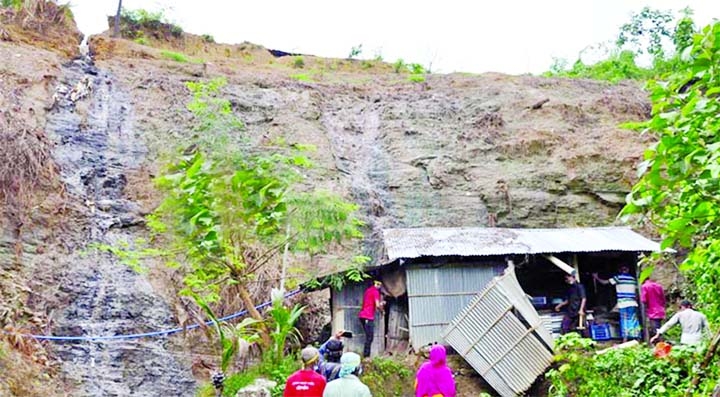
509,348
417,242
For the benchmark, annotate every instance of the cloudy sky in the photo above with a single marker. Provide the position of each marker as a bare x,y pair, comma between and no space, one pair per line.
510,36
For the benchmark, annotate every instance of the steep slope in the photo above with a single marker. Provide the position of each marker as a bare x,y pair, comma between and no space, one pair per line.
454,150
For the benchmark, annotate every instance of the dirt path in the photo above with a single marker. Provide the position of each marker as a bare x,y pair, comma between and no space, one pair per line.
92,125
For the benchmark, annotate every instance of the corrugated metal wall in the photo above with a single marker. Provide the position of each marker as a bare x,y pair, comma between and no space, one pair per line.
345,306
436,295
509,352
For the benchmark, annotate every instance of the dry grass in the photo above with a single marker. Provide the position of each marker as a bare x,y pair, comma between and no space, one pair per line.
25,370
42,24
28,174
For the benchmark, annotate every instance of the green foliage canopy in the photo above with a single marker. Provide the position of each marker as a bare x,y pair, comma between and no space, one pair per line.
630,372
648,32
679,186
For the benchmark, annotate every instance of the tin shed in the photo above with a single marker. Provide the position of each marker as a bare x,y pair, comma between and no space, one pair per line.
432,275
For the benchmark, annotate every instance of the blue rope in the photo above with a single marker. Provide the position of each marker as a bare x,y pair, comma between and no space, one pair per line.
147,334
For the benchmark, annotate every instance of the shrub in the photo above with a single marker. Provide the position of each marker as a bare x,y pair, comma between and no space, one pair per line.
176,30
175,56
141,41
399,65
143,17
416,78
387,378
416,68
634,371
355,51
298,62
207,38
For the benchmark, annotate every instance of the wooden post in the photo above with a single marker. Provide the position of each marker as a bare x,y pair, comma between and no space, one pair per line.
641,305
116,28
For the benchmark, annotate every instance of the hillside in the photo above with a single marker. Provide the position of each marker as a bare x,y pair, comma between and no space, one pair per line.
451,150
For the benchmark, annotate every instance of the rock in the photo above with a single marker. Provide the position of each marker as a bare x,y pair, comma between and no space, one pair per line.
260,388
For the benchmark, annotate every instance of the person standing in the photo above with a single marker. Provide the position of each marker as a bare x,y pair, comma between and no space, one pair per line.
625,287
693,323
434,378
305,382
652,296
348,384
330,353
372,302
574,303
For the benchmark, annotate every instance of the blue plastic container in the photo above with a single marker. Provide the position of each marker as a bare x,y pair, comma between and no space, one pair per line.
600,332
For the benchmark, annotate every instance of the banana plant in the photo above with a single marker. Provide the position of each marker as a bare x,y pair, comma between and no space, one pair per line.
282,324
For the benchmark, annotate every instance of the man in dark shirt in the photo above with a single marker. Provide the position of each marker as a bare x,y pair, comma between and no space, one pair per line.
574,304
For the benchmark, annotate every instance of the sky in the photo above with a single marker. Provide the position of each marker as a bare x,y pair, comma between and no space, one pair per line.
508,36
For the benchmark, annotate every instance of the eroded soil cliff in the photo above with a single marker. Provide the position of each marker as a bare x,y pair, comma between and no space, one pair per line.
453,150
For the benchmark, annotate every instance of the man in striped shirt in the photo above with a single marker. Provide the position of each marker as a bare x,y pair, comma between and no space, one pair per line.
625,287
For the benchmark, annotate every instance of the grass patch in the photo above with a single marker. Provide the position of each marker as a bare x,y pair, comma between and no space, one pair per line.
416,78
387,377
174,56
141,41
301,77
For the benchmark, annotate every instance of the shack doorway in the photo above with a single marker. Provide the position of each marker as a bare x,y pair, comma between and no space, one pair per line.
544,283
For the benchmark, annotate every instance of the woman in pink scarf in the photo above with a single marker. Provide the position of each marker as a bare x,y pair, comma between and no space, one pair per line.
434,378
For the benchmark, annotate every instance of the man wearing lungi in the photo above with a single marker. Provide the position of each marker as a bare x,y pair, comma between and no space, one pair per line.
625,287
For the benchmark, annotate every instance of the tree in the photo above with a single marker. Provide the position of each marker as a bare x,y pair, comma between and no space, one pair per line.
230,209
679,186
648,32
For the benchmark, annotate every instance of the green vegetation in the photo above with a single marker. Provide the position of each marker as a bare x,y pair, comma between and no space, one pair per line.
17,4
134,21
283,329
366,64
618,66
680,176
143,17
416,78
141,41
399,66
238,200
301,77
649,33
630,372
298,62
387,377
275,372
416,68
678,192
355,52
207,38
413,68
176,30
230,211
174,56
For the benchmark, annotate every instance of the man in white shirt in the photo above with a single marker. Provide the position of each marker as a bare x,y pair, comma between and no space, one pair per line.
694,325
